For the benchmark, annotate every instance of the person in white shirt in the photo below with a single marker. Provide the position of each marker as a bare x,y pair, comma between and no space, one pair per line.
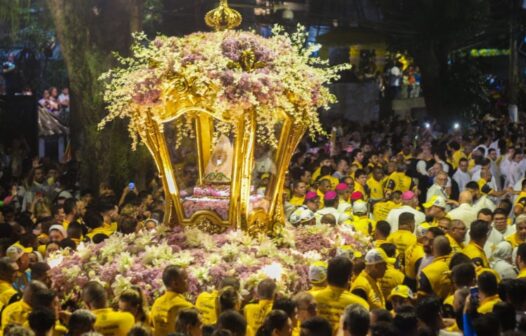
410,202
330,201
494,236
500,223
438,188
502,261
465,211
513,167
493,155
63,98
462,176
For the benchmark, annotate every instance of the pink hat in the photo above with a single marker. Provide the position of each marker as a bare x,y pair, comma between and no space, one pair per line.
330,195
356,195
408,195
311,195
342,186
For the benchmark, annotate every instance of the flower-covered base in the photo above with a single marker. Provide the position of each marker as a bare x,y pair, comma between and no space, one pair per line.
139,259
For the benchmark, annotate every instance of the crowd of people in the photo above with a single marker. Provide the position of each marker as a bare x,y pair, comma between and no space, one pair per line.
444,210
56,104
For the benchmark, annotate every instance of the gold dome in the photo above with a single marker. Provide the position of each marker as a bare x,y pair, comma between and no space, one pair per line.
223,17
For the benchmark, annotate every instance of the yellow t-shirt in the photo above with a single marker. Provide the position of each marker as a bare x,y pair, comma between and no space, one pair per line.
6,293
164,312
363,224
255,313
399,181
206,304
403,239
457,155
112,323
332,301
376,188
297,201
514,240
15,313
360,188
437,272
455,246
522,274
486,305
381,209
375,298
413,254
392,278
477,254
106,229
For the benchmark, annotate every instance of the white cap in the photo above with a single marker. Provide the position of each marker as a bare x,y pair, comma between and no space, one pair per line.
359,207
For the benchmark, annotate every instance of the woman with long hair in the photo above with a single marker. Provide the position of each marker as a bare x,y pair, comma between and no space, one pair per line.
132,301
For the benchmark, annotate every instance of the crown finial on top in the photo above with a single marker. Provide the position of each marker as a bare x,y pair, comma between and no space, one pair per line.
223,17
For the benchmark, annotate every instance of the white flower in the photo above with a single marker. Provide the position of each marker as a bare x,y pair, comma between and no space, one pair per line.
229,250
113,245
120,284
200,273
247,260
125,260
312,256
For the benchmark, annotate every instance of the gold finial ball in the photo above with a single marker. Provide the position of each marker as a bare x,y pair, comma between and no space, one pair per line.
223,17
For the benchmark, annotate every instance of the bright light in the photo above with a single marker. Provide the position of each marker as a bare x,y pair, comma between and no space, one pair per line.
456,125
427,125
273,271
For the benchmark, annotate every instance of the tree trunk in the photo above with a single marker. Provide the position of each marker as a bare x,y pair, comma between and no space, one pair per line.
89,31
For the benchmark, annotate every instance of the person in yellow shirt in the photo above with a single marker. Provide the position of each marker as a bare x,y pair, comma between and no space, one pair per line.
317,276
520,261
519,236
299,189
325,161
366,285
478,234
399,296
70,212
404,237
382,208
95,223
7,276
456,234
375,184
356,320
20,255
255,313
393,276
306,306
457,155
436,209
398,180
132,301
520,201
107,321
413,258
166,307
487,292
333,299
206,302
18,312
358,156
381,233
360,183
434,278
361,221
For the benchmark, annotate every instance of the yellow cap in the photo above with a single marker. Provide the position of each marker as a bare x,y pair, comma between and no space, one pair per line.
438,201
401,291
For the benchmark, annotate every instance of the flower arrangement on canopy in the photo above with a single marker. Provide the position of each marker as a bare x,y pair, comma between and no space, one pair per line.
226,72
139,259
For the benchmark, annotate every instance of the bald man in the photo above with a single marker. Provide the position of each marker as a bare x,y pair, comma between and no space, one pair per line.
434,278
465,211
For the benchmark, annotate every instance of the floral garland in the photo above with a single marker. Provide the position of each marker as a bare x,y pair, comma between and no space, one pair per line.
228,73
139,259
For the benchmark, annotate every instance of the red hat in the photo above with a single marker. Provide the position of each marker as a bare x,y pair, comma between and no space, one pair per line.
342,186
356,195
311,196
330,195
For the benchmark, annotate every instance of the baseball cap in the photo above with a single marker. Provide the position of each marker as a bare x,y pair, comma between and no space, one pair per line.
359,207
15,251
330,195
318,272
311,196
422,229
437,201
59,228
342,186
377,256
356,195
408,195
401,291
301,215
